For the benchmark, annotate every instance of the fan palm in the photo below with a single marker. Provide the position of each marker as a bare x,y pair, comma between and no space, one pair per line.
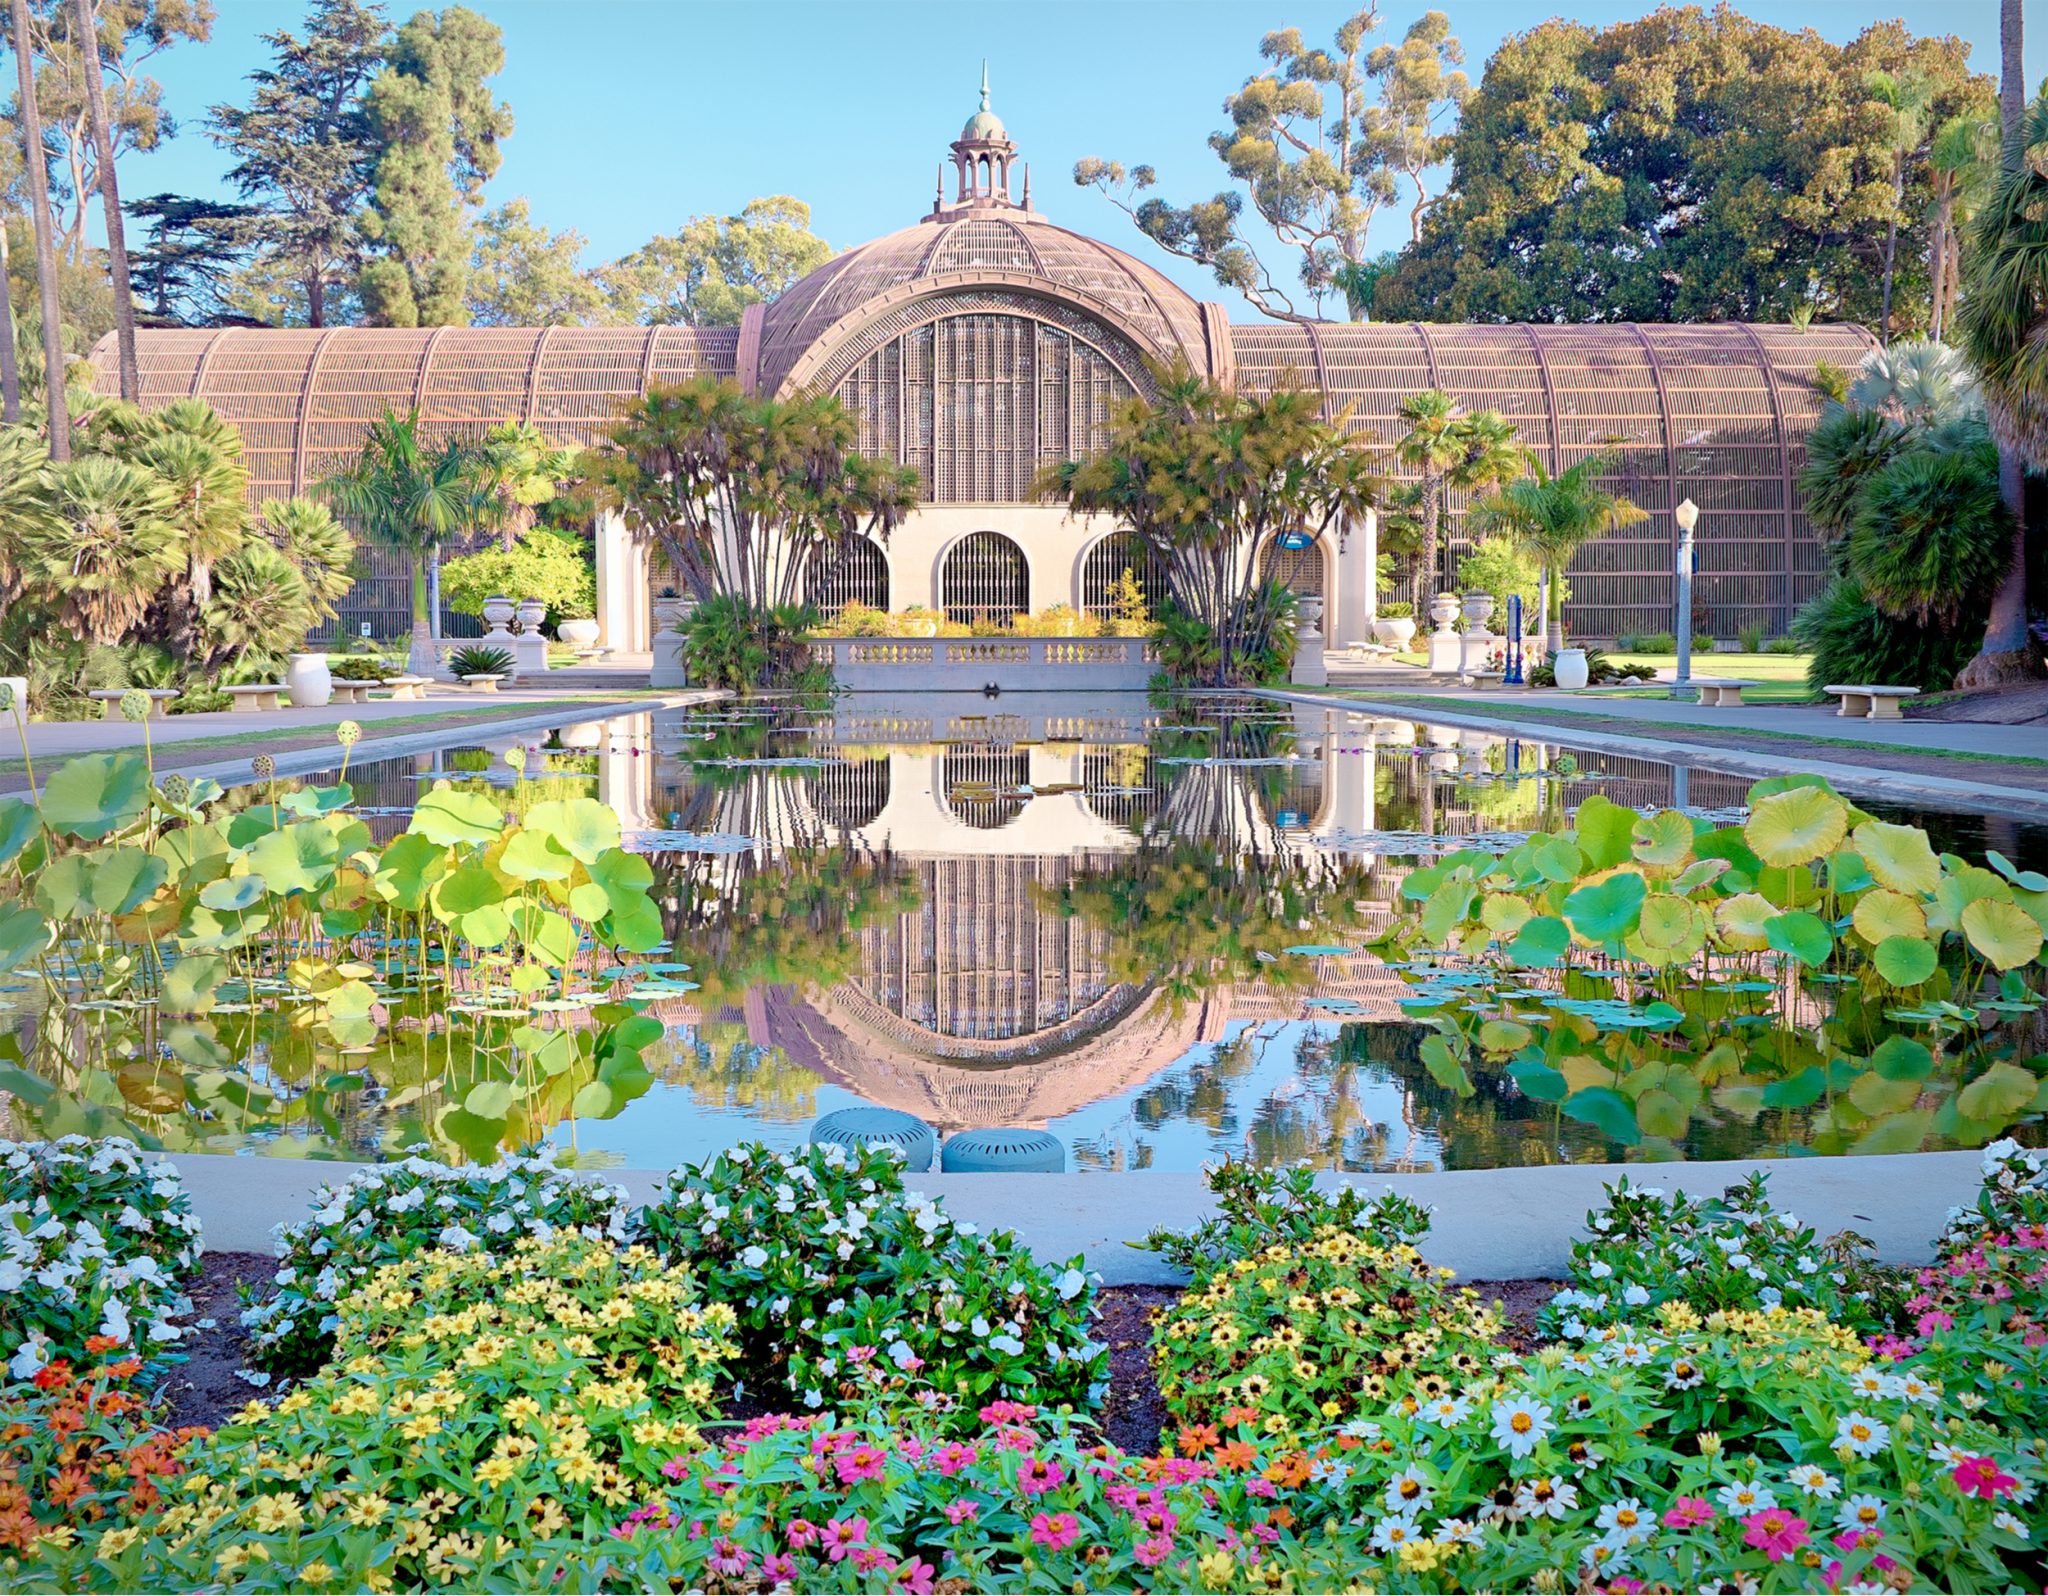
210,497
2003,323
1841,453
1450,447
1554,516
306,533
411,496
1930,536
1962,159
1915,379
106,545
261,609
24,498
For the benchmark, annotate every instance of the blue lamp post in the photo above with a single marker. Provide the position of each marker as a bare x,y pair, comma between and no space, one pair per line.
1687,516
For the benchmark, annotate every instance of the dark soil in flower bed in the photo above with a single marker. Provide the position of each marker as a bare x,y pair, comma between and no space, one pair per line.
206,1389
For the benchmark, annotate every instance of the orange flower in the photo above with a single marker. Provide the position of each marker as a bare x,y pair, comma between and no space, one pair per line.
1195,1439
1281,1518
1288,1471
99,1344
1240,1415
1235,1454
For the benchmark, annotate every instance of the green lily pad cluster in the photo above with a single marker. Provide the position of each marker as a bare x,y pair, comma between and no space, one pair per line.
1653,974
216,961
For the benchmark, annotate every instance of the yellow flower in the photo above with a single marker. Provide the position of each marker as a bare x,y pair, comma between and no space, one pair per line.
1709,1443
1217,1570
368,1509
230,1559
276,1514
1419,1556
316,1573
496,1470
547,1515
117,1541
521,1410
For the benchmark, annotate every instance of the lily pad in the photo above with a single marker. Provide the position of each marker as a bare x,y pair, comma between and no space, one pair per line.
1797,826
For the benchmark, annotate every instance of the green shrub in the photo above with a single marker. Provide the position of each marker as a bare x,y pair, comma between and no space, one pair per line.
477,660
1260,1208
541,564
1650,643
1397,610
1498,565
1782,645
1931,536
1751,638
732,644
1852,640
360,668
1702,643
849,1286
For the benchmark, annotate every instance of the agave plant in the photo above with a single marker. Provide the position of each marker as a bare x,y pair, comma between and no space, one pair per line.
478,661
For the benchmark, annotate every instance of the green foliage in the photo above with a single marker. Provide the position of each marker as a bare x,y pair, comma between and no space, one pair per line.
1257,1209
543,565
824,1252
1852,640
479,660
437,130
1559,211
1931,537
522,275
713,267
1552,517
745,649
1452,448
1497,565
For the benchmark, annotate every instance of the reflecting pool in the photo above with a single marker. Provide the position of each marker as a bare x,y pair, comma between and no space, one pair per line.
1159,934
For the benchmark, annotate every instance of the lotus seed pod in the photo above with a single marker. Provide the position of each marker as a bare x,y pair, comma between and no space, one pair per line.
516,758
348,734
264,766
177,789
135,704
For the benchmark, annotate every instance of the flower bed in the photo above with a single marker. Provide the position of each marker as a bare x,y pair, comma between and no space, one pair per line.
94,1245
547,1411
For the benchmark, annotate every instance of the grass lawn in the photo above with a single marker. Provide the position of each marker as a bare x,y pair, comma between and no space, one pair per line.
1783,676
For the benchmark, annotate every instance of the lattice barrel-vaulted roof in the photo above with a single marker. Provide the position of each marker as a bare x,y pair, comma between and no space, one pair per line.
302,398
1715,412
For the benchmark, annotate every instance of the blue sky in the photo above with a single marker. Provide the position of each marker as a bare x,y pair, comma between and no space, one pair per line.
633,114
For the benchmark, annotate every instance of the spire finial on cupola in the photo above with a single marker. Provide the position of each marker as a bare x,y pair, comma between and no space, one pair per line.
984,83
982,155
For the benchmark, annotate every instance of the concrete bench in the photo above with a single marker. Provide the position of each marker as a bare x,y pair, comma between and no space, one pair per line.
1479,681
110,699
594,656
1870,702
351,692
483,682
1723,692
407,686
252,698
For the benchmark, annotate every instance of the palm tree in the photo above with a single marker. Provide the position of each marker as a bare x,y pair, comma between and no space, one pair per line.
1905,97
2003,323
409,496
105,543
1553,516
46,234
1916,380
1431,447
24,499
110,199
1962,159
518,470
306,533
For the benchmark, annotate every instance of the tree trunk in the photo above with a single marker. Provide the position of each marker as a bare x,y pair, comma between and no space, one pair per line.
46,237
1937,264
110,200
10,368
316,299
2007,654
1891,248
423,659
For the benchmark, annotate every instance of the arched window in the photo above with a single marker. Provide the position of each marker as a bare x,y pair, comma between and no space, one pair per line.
855,571
984,578
1105,566
849,795
982,785
1303,570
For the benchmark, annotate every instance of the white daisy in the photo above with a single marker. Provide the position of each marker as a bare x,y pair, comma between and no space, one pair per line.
1744,1497
1861,1512
1862,1434
1814,1481
1551,1496
1408,1493
1520,1424
1624,1522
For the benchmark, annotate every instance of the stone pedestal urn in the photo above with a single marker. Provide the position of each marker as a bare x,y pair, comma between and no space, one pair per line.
531,613
579,632
1477,607
310,681
1443,609
667,643
1310,670
498,613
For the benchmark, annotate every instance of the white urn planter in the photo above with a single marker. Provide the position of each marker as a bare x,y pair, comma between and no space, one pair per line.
1443,609
531,613
498,613
1570,666
580,632
1399,631
1478,607
310,681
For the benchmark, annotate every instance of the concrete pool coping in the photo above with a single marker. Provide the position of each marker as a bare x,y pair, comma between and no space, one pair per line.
1491,1224
1667,746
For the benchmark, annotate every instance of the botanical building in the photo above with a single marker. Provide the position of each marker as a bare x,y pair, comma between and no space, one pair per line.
984,340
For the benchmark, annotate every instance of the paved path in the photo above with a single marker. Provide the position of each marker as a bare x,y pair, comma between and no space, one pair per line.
1495,1224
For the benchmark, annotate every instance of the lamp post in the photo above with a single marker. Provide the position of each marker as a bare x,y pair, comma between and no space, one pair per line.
1687,516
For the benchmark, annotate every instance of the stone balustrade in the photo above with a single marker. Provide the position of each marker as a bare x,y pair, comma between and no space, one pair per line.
974,664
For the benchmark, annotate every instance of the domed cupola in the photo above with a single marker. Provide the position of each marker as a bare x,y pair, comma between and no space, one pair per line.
982,156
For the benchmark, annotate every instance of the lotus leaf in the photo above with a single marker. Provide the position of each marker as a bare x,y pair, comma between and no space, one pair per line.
1308,950
123,877
1538,1080
1885,913
298,858
1905,960
1661,1114
489,1099
1605,832
582,827
1540,942
466,888
593,1100
1446,909
1700,873
1878,1095
446,816
1666,920
96,795
1897,1133
191,985
2003,933
1664,838
23,935
1900,857
1796,1091
1900,1058
19,826
1962,886
1557,859
2025,880
63,887
1743,920
1607,1111
232,894
547,936
1607,910
1804,936
1503,1036
1998,1094
1796,826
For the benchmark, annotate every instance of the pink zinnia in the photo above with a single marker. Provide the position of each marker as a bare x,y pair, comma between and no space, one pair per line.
728,1557
1040,1475
1774,1532
1934,1320
1689,1512
1055,1531
869,1558
843,1535
964,1511
915,1576
862,1463
953,1457
802,1532
1981,1476
1154,1551
779,1569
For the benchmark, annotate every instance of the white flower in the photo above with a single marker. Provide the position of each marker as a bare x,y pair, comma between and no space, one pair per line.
1551,1497
1814,1481
1071,1285
1861,1512
1625,1522
1911,1388
1450,1411
29,1357
1408,1493
1635,1296
1392,1532
2010,1524
754,1257
1744,1497
1862,1434
1520,1424
1457,1532
114,1321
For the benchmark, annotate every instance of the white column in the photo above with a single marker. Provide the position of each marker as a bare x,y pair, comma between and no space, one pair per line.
621,561
1349,622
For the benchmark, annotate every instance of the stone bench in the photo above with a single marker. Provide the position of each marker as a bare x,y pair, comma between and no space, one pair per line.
1723,692
110,699
483,682
252,698
594,656
1479,681
351,692
1871,702
407,686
